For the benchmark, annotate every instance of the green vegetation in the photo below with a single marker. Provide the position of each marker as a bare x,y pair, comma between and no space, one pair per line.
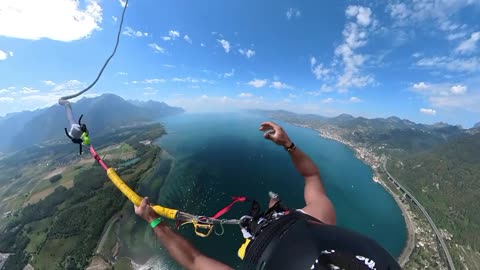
37,233
62,230
445,180
55,178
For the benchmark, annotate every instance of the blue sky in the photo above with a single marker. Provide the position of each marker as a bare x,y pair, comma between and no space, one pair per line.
418,60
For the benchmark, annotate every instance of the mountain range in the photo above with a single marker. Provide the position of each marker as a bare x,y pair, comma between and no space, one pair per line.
101,114
391,132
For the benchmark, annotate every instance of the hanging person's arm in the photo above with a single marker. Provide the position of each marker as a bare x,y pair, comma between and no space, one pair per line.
317,203
179,248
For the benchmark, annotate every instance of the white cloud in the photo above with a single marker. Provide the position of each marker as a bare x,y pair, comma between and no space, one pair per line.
314,93
10,53
247,52
168,66
187,39
129,31
345,71
3,91
257,83
6,99
417,55
279,85
414,11
122,73
190,80
68,85
461,102
326,88
398,11
154,81
428,111
122,2
3,55
457,35
354,100
245,95
156,48
114,18
420,86
225,44
362,14
355,36
318,70
49,83
173,34
450,63
292,13
439,89
292,96
328,100
448,95
458,89
229,74
62,20
469,45
202,44
28,90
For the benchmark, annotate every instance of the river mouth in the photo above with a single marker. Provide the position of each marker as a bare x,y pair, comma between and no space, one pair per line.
214,157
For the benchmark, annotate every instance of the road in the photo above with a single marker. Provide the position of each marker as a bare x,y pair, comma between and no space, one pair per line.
419,205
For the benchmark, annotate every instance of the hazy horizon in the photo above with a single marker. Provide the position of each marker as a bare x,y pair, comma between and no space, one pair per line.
236,110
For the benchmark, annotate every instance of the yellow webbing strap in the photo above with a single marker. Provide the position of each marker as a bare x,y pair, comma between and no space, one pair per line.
135,199
243,249
207,229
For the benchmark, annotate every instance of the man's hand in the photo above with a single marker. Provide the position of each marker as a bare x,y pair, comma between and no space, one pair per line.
275,133
145,211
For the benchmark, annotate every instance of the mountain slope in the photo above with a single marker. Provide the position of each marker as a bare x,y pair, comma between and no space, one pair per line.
447,182
12,123
392,132
101,114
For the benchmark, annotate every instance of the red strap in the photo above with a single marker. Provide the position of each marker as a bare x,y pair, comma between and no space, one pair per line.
227,208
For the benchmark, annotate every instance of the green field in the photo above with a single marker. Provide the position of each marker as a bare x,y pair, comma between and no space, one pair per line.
37,234
121,151
62,227
53,251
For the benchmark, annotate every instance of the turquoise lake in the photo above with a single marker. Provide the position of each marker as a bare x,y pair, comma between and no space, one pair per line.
223,155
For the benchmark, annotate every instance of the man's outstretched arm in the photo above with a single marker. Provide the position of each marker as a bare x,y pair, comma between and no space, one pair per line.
317,203
178,247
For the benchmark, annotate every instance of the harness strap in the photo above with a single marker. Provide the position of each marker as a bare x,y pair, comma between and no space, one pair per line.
228,207
97,158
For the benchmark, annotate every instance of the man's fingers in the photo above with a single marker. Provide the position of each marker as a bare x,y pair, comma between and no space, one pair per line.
144,203
267,135
271,125
264,127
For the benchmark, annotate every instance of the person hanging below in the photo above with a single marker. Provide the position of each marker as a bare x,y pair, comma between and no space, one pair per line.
283,238
78,132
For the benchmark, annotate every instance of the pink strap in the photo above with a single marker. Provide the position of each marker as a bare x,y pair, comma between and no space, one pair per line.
227,208
97,158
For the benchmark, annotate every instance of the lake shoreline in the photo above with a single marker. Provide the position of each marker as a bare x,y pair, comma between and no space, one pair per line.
375,163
